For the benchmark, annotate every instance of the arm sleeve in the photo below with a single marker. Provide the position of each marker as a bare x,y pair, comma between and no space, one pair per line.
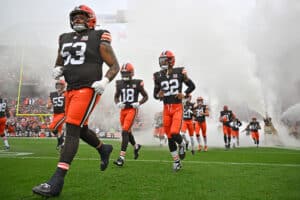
156,88
191,86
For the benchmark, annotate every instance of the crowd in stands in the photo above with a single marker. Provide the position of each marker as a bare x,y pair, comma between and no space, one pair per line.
23,123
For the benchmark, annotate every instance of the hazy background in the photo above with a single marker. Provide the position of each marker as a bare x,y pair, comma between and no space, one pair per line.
242,53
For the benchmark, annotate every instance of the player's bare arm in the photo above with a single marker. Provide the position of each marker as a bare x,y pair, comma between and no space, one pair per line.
145,96
59,59
117,97
110,59
206,111
49,103
180,96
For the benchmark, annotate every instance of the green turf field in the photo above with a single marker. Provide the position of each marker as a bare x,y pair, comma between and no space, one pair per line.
244,173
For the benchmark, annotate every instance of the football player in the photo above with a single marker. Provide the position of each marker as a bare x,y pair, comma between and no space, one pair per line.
56,101
254,126
4,114
126,98
201,112
235,125
225,119
81,55
187,123
168,84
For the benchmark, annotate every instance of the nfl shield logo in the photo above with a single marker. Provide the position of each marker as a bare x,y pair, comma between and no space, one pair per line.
174,75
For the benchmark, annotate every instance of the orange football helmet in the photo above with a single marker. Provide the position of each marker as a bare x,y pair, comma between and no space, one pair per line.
127,71
166,59
91,17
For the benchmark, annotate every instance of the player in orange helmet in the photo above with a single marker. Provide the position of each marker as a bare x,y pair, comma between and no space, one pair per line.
126,98
187,123
56,101
168,84
80,59
254,126
225,119
4,114
235,125
201,112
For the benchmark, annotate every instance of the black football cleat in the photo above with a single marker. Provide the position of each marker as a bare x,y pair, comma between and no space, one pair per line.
136,151
47,190
177,166
104,154
181,152
119,162
193,152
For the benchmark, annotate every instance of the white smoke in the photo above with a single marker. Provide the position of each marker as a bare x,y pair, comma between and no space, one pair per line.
239,53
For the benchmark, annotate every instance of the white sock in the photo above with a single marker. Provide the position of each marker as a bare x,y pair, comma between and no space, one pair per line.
6,143
199,140
174,155
192,142
184,138
233,141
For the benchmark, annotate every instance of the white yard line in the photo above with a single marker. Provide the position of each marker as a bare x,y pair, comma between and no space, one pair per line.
166,161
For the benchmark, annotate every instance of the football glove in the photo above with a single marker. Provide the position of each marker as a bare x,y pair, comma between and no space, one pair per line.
121,105
99,86
135,105
57,72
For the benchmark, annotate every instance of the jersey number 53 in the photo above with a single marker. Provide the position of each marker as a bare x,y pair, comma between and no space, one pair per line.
78,58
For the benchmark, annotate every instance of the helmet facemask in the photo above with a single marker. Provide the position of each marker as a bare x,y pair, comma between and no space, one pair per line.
59,87
163,62
126,75
200,102
80,16
166,60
